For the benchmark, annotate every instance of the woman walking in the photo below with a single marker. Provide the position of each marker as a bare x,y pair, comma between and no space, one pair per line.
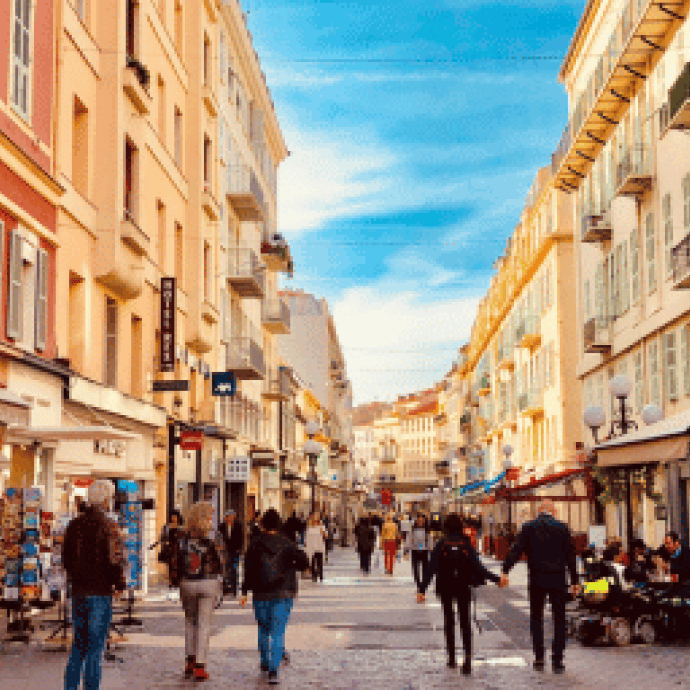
197,567
389,542
169,535
270,564
419,545
315,546
457,568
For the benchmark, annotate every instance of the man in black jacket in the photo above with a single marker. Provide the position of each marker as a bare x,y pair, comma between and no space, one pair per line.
549,549
457,568
232,532
93,558
678,557
270,566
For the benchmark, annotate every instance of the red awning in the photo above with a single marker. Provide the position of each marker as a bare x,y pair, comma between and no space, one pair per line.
544,481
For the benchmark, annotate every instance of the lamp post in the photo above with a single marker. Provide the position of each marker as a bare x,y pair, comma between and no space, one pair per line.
594,417
507,466
312,449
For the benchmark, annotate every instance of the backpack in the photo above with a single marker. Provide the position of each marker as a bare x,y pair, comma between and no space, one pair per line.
455,566
270,570
195,559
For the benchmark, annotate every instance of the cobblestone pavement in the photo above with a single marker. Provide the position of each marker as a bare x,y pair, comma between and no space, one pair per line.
357,632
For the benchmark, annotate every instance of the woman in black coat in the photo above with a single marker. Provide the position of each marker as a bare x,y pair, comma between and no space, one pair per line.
457,568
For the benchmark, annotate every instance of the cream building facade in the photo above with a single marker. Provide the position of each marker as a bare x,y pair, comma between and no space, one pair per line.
625,157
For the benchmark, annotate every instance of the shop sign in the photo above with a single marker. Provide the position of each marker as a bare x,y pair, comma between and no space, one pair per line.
513,474
82,482
238,469
223,383
386,496
191,439
167,329
178,385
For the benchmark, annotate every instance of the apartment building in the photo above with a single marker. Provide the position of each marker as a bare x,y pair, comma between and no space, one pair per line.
625,158
522,355
31,378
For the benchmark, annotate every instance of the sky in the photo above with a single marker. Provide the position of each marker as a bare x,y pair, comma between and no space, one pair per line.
415,131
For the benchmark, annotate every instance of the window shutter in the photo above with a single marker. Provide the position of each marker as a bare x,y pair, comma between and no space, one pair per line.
21,62
668,232
587,298
650,250
686,202
670,367
655,393
41,315
221,139
639,382
599,291
684,363
625,277
14,298
635,266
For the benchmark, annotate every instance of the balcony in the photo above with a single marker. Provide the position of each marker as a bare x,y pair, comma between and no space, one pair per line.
644,30
210,100
465,420
531,403
596,335
246,359
443,468
506,358
680,261
484,385
634,172
135,83
209,203
245,194
596,227
133,236
276,253
528,332
277,385
245,275
679,101
275,316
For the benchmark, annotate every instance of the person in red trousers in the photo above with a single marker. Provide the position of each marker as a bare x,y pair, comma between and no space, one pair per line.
389,541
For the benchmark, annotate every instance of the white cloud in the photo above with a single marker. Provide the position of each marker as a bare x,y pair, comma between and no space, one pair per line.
378,328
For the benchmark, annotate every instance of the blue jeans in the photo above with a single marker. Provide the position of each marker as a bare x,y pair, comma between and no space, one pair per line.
272,617
91,620
231,572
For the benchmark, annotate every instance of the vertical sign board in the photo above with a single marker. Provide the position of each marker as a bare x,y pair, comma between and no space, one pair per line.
168,310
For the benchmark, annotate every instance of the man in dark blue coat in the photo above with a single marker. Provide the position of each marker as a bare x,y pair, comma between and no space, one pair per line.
549,549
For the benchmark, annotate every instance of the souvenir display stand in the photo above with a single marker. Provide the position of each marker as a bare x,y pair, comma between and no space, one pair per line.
25,559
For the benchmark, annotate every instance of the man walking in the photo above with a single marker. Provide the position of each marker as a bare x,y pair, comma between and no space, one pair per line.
549,549
232,532
93,558
365,541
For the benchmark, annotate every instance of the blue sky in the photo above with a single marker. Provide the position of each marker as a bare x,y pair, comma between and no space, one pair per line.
415,131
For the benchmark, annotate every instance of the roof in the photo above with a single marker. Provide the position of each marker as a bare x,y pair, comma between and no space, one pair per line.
588,12
426,408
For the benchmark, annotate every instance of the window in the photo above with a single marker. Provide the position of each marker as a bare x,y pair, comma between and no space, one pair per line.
207,271
80,148
136,372
600,389
21,57
179,28
587,299
160,213
179,256
635,267
686,202
207,61
41,308
684,363
223,60
668,232
639,382
14,298
178,137
80,9
161,109
650,250
654,382
207,160
131,180
132,23
670,367
110,373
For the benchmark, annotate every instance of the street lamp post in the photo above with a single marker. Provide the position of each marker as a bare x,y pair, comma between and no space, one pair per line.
312,449
594,418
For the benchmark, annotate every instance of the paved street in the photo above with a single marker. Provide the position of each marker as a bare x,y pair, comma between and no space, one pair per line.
355,632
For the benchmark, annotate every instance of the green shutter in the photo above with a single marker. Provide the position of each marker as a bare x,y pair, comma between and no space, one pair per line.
635,266
14,287
41,315
670,367
639,382
668,232
650,249
684,364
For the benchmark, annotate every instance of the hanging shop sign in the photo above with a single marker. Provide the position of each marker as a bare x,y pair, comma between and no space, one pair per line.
238,469
191,439
167,386
167,328
223,383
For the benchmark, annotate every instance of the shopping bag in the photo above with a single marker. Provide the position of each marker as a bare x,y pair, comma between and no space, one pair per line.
377,560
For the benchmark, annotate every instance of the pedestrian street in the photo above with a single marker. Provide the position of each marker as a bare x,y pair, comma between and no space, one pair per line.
356,631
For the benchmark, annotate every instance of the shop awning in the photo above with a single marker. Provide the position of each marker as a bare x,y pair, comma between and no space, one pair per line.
45,434
491,483
548,479
668,439
13,409
472,486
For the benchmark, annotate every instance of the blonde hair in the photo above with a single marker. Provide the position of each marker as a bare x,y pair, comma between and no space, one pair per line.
198,514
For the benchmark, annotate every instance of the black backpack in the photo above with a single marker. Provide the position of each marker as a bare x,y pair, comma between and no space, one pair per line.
455,567
270,569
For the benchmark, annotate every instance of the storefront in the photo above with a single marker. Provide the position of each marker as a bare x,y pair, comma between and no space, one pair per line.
645,475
